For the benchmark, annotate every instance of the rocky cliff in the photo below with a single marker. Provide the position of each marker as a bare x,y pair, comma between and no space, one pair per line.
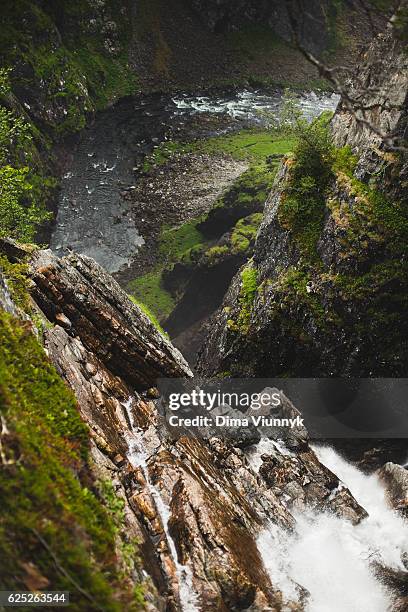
178,519
229,15
325,291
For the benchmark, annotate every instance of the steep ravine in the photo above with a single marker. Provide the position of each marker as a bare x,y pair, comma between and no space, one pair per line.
209,519
99,497
97,215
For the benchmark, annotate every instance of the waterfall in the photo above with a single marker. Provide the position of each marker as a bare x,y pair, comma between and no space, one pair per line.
137,458
330,557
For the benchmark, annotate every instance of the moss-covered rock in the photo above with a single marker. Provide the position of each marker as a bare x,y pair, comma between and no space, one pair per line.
66,60
331,263
56,531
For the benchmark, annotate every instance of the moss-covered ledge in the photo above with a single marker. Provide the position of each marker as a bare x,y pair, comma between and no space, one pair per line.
56,530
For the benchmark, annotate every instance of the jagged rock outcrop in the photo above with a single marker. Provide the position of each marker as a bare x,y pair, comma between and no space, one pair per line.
380,86
195,507
395,478
53,85
304,482
328,288
77,294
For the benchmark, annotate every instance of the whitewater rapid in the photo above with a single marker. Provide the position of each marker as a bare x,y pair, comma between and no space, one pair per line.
251,105
331,558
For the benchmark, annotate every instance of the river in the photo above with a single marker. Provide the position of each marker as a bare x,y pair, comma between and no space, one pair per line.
94,218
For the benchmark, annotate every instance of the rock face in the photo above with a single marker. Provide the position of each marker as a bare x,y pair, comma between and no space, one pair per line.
195,507
330,304
381,86
225,15
78,295
395,478
6,303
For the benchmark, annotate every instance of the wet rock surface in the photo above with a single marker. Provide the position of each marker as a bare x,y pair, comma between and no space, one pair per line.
395,478
196,507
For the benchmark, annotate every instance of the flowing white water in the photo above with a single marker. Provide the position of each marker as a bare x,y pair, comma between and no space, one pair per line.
330,557
138,459
251,105
265,446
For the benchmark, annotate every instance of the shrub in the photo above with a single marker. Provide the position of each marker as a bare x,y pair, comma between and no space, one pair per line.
21,211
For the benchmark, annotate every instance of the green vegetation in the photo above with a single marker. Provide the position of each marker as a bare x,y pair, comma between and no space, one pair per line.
243,201
54,529
254,145
175,244
310,172
175,241
148,312
247,194
74,74
187,243
366,289
17,282
148,290
247,295
244,232
22,207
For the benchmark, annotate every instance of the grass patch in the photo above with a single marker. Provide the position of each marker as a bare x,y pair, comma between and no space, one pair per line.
148,290
149,313
175,244
254,145
175,241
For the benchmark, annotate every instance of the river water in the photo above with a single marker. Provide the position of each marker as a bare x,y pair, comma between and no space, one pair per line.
94,216
332,558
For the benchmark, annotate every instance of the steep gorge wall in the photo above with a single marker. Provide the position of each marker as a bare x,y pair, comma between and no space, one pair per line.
315,20
67,59
327,288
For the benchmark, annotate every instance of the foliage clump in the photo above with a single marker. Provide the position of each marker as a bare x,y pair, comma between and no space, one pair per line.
22,209
310,172
247,295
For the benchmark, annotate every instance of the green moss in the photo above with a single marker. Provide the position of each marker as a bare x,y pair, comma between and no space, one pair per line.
216,254
247,295
244,233
17,280
375,217
148,312
175,241
49,516
148,290
345,161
